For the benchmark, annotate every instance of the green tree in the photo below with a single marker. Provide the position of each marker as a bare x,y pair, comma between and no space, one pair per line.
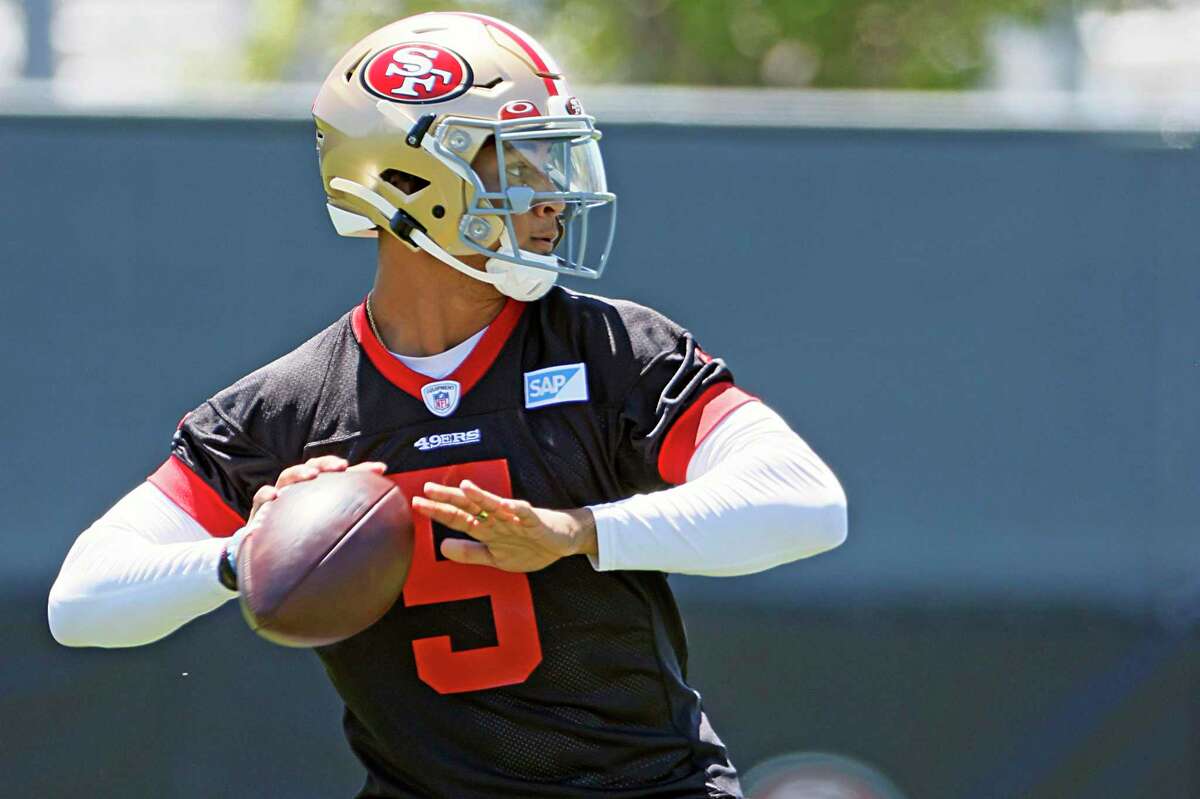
912,44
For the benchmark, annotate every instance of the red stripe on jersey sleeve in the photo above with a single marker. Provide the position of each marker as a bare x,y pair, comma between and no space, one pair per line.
196,497
694,425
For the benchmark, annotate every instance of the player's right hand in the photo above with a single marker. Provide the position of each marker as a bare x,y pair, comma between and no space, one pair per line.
308,471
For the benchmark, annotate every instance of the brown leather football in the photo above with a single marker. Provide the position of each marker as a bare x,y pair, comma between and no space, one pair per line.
326,559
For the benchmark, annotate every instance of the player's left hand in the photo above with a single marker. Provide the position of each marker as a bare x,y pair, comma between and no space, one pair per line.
510,534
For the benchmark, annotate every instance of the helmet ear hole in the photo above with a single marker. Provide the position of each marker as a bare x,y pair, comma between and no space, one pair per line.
408,183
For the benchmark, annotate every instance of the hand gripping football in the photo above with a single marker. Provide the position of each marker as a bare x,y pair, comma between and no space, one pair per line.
325,559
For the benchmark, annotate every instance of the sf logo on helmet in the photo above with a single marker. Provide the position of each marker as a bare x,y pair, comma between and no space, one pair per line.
417,72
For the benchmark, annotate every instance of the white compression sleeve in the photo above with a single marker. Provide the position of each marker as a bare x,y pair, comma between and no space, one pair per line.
141,571
756,497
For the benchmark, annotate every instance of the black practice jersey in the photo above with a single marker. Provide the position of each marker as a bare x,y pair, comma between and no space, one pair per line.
480,683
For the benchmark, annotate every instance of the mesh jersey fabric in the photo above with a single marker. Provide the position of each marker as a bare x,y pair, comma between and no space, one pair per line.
562,682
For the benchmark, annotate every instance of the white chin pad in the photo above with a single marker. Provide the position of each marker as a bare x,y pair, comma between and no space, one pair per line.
521,282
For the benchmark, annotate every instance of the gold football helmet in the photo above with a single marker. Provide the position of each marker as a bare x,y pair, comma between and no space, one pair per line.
401,119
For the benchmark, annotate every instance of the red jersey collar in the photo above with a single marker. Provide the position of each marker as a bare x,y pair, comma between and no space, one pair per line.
467,374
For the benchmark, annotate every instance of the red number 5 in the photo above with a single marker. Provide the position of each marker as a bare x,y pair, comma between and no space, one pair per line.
430,581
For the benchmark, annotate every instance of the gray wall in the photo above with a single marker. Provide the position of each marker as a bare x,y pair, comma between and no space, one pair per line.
993,338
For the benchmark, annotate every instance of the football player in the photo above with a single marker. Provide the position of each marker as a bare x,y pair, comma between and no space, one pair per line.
563,451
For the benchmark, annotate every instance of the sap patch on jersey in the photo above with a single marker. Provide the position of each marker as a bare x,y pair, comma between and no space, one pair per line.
441,397
555,384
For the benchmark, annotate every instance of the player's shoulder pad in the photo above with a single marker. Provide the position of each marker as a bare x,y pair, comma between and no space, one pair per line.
276,404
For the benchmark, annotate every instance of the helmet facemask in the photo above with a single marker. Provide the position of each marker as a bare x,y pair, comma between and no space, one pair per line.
538,161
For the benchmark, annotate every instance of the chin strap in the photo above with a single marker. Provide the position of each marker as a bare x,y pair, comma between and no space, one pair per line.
512,280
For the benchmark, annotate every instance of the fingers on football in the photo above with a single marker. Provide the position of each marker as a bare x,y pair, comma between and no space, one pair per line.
452,517
307,471
514,511
376,467
328,463
471,552
296,474
310,469
261,497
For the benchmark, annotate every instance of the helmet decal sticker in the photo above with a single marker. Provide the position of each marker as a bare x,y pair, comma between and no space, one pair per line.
574,107
417,73
516,109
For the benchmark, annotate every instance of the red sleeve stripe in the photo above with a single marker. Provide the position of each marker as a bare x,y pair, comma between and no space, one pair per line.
196,497
694,425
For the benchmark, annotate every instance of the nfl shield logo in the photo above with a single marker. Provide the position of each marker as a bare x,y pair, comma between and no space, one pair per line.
441,397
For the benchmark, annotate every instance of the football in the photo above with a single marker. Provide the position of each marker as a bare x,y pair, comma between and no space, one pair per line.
326,559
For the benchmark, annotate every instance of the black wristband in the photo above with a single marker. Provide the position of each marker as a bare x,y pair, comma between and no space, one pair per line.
226,571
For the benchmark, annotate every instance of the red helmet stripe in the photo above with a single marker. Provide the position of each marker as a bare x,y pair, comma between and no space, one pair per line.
529,47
